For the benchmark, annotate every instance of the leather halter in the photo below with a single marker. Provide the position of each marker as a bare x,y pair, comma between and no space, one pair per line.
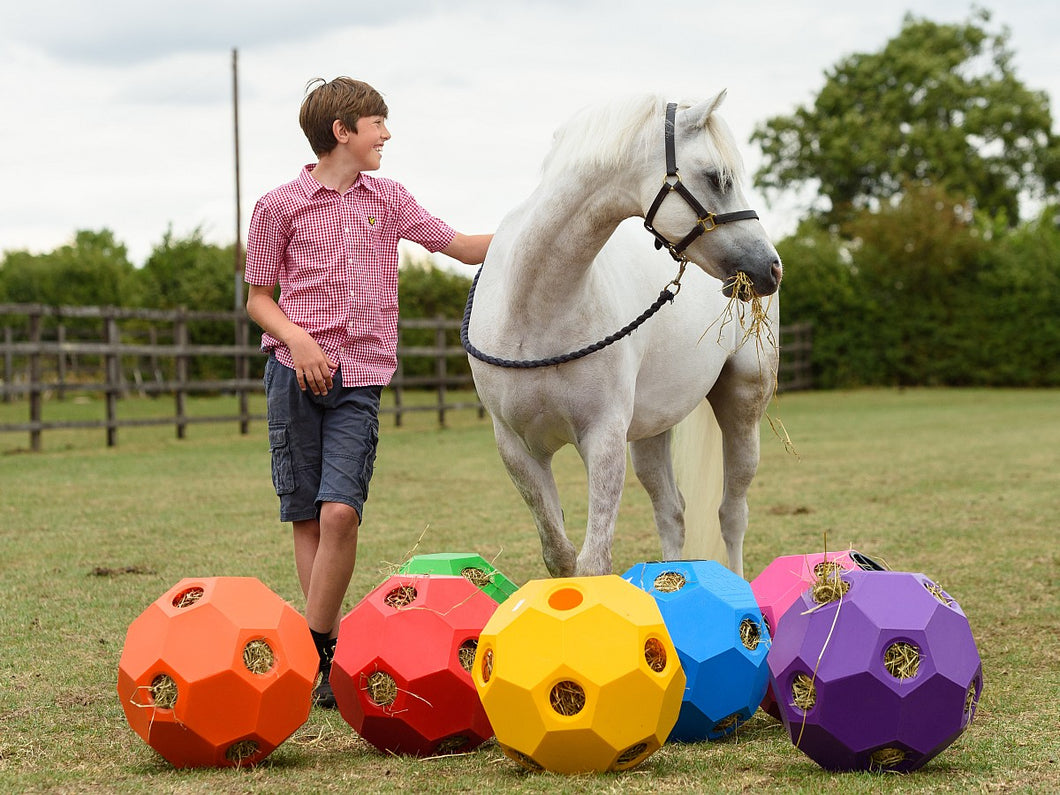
707,221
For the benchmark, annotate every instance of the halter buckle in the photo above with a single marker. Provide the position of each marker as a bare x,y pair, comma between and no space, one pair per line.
709,223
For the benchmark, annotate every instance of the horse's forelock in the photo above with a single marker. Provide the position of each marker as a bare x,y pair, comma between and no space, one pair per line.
723,148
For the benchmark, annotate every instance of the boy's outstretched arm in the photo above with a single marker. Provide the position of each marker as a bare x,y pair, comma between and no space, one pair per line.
469,249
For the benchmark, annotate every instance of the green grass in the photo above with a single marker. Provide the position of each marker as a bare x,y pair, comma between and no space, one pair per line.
959,484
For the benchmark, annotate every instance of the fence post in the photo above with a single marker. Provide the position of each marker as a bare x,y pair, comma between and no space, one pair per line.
242,371
60,365
35,391
113,375
180,340
9,365
152,360
439,366
397,385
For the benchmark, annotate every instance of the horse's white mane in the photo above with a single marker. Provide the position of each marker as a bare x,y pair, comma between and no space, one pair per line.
611,135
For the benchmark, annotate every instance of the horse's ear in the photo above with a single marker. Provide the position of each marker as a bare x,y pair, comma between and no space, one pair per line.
695,117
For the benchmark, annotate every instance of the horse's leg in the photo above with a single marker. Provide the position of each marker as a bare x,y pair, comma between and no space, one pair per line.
653,465
738,405
534,479
604,454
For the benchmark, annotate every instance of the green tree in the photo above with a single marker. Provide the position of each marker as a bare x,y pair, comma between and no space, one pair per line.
93,270
1015,336
187,272
190,273
939,104
427,292
951,298
822,287
918,259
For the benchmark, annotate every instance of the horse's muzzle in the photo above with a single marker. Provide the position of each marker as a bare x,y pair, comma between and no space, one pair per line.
754,285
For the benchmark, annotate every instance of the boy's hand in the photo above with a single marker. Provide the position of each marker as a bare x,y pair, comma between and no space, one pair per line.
312,366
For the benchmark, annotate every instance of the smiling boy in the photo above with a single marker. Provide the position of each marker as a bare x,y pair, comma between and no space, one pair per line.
329,239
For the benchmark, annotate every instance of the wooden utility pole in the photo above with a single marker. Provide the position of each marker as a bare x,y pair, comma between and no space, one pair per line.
242,330
238,264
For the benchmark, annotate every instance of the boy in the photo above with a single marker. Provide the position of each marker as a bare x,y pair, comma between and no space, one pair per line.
329,239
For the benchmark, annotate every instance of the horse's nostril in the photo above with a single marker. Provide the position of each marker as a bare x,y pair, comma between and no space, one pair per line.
778,271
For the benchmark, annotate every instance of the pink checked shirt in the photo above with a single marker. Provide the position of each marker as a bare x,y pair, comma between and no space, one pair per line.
335,257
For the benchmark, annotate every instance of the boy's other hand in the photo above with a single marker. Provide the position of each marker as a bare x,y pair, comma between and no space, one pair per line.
312,367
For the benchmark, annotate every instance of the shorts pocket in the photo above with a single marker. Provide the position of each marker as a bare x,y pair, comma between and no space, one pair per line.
369,457
282,463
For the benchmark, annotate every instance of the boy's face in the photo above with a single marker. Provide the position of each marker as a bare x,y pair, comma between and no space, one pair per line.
366,146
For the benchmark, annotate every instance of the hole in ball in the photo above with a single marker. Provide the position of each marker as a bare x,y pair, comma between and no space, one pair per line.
401,596
188,597
567,698
565,599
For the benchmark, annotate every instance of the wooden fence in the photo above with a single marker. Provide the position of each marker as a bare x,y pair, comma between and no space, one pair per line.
49,353
796,361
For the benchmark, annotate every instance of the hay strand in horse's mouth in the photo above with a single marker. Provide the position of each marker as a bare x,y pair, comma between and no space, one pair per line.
742,288
742,296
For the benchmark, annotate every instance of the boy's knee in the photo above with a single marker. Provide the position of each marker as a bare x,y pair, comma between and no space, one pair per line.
339,518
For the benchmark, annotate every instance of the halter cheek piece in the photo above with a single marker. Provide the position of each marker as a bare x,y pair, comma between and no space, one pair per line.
707,222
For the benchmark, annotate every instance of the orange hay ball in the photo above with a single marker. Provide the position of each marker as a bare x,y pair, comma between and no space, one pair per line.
217,672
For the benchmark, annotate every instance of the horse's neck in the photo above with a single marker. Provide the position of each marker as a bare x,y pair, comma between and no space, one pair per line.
562,228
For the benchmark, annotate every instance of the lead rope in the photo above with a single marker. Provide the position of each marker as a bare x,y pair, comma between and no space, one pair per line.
666,295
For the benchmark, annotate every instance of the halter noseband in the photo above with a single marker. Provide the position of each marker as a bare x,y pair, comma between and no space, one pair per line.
707,221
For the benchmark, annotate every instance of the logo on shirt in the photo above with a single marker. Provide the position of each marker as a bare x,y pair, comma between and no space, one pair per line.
371,220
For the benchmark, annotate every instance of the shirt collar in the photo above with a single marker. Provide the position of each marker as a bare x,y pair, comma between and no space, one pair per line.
310,186
306,182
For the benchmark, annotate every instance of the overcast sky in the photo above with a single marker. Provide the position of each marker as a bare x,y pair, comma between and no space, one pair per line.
118,114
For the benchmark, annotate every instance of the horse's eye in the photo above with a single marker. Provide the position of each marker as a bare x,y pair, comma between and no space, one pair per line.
715,180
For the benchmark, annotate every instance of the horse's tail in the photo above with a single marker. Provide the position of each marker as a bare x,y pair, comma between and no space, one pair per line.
698,465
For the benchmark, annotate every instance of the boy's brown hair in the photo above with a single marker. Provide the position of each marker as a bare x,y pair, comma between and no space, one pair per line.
344,99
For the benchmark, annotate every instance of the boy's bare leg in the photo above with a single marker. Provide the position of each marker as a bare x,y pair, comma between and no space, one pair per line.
306,541
325,553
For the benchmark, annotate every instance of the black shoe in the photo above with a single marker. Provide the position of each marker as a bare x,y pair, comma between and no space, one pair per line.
323,696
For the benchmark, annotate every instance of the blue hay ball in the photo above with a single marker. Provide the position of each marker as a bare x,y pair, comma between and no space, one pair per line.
717,628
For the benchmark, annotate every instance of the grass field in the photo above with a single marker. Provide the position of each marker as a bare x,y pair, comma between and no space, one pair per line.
961,485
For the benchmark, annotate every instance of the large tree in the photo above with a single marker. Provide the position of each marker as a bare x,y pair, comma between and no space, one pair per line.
939,104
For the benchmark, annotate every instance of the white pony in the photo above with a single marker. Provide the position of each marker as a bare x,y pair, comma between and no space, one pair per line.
563,272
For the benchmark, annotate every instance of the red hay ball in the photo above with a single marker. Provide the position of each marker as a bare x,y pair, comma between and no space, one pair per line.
401,672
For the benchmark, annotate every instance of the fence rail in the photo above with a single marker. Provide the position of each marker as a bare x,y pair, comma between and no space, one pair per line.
48,353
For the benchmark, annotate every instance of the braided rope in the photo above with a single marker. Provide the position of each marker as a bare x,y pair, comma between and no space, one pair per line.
666,295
